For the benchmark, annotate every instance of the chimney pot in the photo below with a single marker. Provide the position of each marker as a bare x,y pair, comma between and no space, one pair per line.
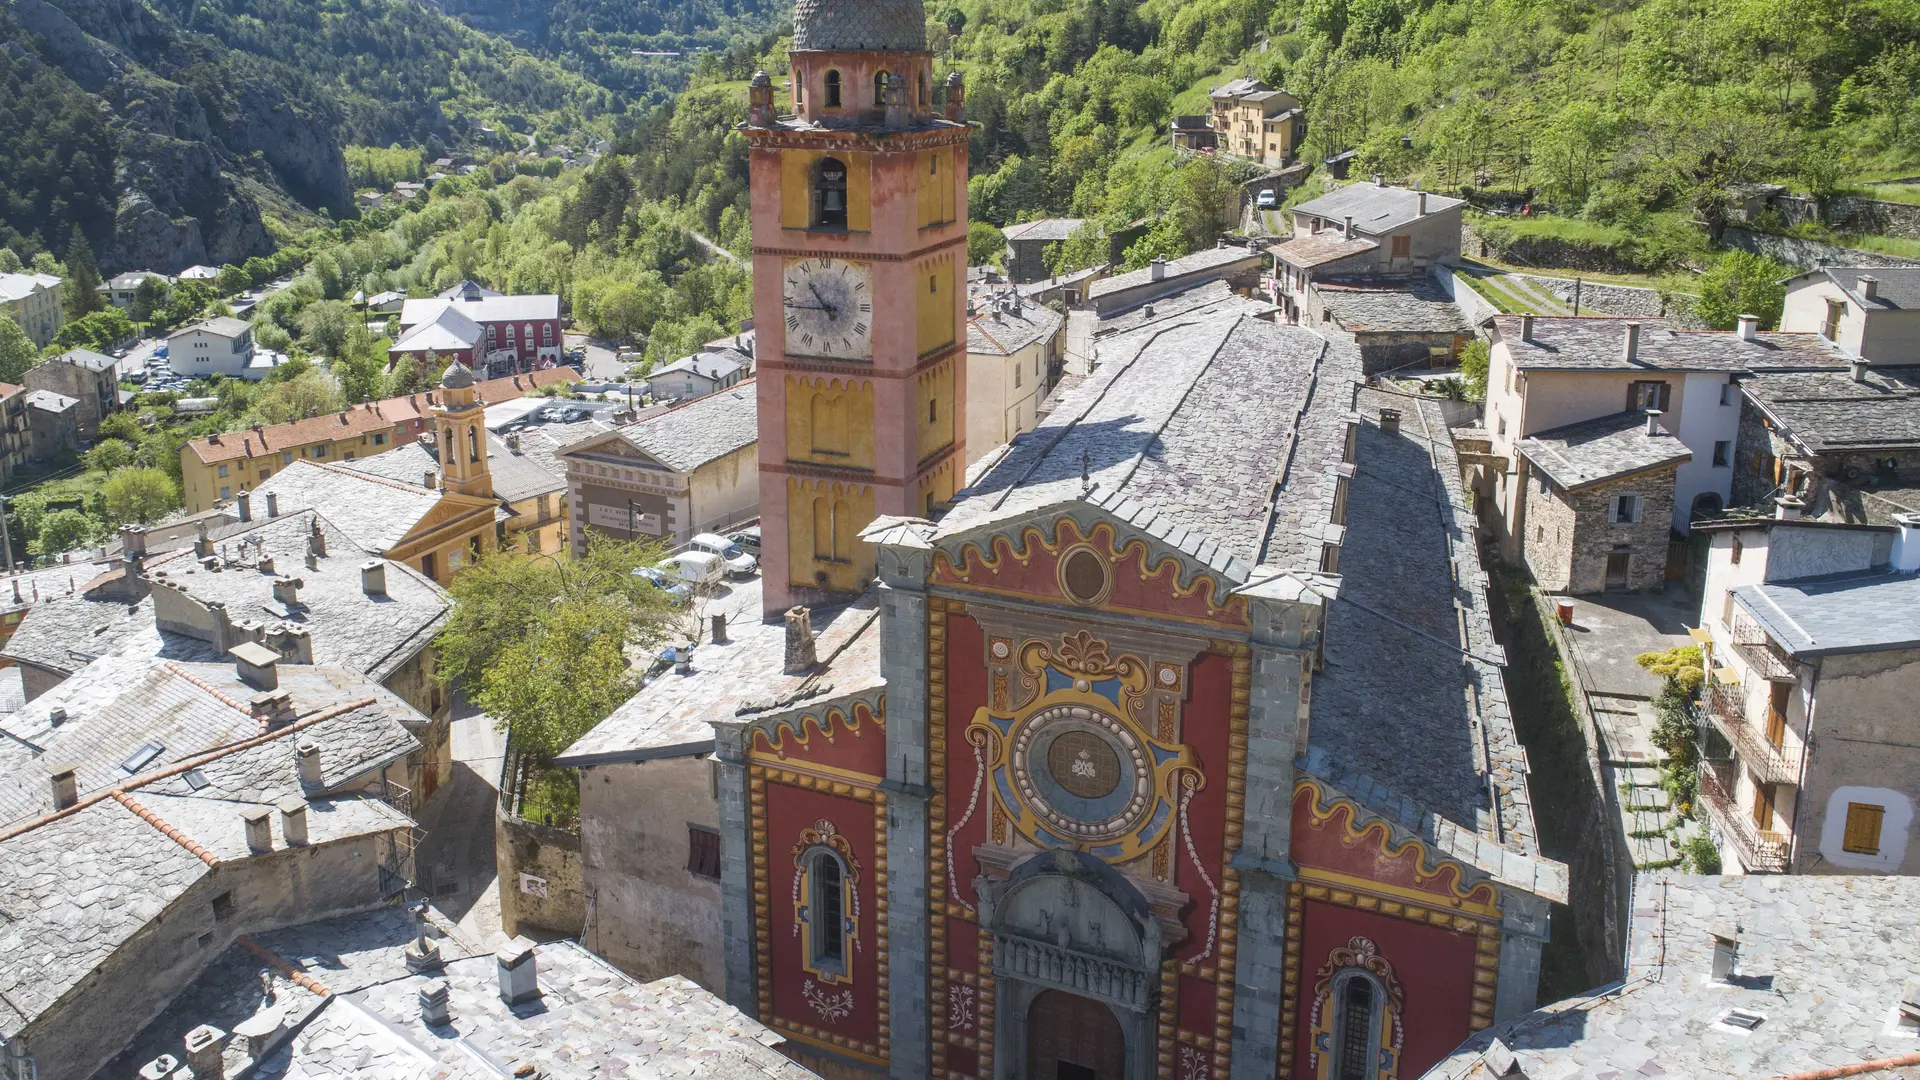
800,649
316,540
1653,422
259,824
1157,270
1631,350
1526,327
57,715
266,564
66,789
1346,230
293,819
1869,286
1859,369
1423,204
160,1068
286,590
1390,420
273,504
206,1047
434,1008
428,481
1726,950
1749,327
1906,544
1788,507
133,540
373,578
307,756
1379,180
519,976
1147,312
245,502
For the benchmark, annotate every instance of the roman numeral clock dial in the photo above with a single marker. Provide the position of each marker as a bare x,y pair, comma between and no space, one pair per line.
829,308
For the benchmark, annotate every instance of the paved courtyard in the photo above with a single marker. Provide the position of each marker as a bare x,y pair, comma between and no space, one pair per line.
455,859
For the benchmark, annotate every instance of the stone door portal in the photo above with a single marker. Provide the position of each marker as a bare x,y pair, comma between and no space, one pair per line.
1070,1037
1617,562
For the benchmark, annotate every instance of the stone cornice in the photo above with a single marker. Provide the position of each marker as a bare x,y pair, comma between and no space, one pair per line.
873,138
862,256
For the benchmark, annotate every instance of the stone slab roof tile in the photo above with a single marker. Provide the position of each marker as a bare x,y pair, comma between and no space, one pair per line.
1594,451
706,429
1412,305
1050,229
1376,208
1585,343
1897,288
1306,252
843,25
1196,263
374,512
1828,412
997,332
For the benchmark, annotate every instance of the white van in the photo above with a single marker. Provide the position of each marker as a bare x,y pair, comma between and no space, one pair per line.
699,569
739,563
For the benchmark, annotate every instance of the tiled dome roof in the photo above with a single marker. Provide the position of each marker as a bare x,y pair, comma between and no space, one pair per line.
840,25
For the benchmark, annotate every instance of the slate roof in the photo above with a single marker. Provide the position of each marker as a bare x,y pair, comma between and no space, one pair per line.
705,429
845,25
1168,426
1307,252
1590,452
224,326
1828,412
1196,263
1212,297
357,1011
1237,87
714,365
49,401
1898,288
1407,305
1585,343
515,476
1837,613
490,307
446,330
1046,229
18,286
1400,672
998,331
373,511
1822,958
673,715
1375,209
85,358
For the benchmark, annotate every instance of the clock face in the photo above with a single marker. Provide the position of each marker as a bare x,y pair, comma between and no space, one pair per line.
829,308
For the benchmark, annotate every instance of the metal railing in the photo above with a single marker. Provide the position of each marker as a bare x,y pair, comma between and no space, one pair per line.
1727,707
1760,851
1759,651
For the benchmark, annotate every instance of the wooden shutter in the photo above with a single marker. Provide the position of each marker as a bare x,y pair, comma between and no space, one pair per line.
703,852
1763,807
1863,828
1777,698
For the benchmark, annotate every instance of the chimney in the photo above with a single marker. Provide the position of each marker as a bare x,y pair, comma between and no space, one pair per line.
293,819
259,823
1906,544
513,442
519,979
434,1010
1726,950
800,652
245,502
1423,204
373,577
316,540
1390,421
307,756
160,1068
66,789
719,629
206,1046
1859,369
1869,287
255,664
428,481
56,716
286,590
1157,270
133,541
1789,507
1379,180
1631,350
1653,422
1147,311
273,708
273,504
202,544
1526,327
1346,231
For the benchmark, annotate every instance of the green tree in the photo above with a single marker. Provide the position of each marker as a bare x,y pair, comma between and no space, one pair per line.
139,494
308,393
149,300
10,262
1742,283
100,330
107,455
984,243
324,326
62,530
232,280
81,293
675,338
17,352
1474,360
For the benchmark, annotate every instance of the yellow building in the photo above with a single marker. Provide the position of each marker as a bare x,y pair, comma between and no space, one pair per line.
1258,123
34,302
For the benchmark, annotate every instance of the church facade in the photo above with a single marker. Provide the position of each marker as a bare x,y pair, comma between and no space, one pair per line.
1129,766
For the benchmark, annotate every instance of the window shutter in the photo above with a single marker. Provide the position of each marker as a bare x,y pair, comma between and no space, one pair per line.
1863,828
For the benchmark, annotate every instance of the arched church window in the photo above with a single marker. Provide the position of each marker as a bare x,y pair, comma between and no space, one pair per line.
473,444
880,89
823,530
830,194
828,914
923,90
829,424
833,90
1359,1002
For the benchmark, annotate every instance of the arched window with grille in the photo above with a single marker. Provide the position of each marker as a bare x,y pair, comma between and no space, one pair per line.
1359,1002
833,90
830,194
827,911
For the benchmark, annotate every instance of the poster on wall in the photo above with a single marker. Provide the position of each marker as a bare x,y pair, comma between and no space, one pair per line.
617,517
533,886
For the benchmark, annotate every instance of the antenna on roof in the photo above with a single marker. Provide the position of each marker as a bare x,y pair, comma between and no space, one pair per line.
1085,484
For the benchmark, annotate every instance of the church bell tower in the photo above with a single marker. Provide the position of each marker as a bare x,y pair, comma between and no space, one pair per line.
459,426
859,267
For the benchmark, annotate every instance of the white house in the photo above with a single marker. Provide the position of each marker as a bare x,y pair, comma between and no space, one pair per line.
1872,312
220,345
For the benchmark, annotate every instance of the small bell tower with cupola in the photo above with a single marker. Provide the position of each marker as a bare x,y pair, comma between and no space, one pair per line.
859,195
460,432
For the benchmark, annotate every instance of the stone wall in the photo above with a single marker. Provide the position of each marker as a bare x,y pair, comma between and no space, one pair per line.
1806,254
550,855
1475,307
1850,213
1547,546
1600,298
1545,251
1569,537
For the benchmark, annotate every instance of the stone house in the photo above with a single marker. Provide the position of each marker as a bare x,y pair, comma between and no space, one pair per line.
1014,348
123,895
1871,312
16,436
217,346
1546,373
1364,230
1838,445
1027,245
87,377
1808,763
691,469
1599,505
34,302
1398,323
51,424
1194,133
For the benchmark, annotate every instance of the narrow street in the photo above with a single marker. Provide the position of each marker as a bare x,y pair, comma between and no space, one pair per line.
455,861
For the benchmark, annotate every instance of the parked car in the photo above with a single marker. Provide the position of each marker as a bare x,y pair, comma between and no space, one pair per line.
674,589
698,569
1267,200
739,563
748,539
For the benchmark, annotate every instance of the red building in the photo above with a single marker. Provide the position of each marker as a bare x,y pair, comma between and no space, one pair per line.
472,325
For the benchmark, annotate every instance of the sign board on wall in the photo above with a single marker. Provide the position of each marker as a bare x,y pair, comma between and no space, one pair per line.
616,517
533,886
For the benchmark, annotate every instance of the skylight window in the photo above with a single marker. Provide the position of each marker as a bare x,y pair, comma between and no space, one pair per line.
142,757
195,779
1742,1019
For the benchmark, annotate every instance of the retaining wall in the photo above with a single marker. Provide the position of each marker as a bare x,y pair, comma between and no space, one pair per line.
1806,254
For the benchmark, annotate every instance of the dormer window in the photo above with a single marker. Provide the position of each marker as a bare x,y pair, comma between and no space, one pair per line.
833,90
830,194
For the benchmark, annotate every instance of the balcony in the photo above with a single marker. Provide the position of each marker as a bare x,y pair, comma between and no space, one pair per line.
1751,642
1727,707
1760,851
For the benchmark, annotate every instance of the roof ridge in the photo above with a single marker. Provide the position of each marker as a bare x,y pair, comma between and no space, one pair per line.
689,403
186,765
166,828
209,688
370,477
293,974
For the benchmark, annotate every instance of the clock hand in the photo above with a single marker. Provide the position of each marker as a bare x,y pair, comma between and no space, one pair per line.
832,312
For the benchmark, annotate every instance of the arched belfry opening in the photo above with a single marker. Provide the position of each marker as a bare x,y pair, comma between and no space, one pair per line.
830,194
